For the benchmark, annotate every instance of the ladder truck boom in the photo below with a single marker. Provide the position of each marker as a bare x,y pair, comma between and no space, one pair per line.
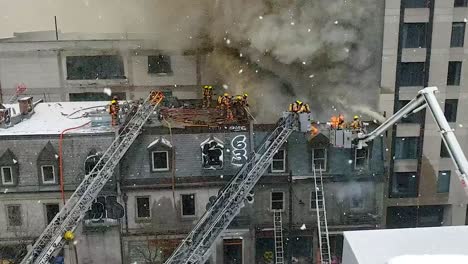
195,248
426,98
69,217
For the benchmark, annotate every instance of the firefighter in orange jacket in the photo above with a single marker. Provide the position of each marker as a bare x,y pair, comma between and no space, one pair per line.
114,109
207,96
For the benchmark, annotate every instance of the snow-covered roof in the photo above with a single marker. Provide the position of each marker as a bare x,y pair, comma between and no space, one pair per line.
162,140
385,246
54,117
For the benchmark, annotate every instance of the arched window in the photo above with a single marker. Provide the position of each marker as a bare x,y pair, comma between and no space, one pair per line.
9,169
47,165
91,160
161,153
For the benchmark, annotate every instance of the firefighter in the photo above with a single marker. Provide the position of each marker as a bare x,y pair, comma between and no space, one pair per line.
156,97
295,107
226,105
207,96
114,109
341,122
304,108
356,124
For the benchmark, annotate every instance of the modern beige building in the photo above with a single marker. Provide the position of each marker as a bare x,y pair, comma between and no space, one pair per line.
424,46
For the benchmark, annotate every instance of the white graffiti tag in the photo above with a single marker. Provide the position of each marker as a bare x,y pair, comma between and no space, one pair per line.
239,153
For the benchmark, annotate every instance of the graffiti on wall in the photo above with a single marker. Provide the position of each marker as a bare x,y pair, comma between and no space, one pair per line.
239,150
212,153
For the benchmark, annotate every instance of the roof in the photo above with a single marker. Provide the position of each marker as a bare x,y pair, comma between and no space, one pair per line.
383,246
53,118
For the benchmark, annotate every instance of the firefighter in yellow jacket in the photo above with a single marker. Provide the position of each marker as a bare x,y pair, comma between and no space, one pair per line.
356,124
114,109
207,96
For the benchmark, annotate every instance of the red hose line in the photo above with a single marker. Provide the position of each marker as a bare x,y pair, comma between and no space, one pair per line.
61,159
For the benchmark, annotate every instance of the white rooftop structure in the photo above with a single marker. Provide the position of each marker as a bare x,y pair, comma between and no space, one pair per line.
398,246
54,117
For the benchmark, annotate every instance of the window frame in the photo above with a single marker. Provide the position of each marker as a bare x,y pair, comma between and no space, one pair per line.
462,37
456,81
45,211
153,163
366,158
463,4
283,201
409,194
54,181
91,61
407,31
325,158
3,175
449,173
151,70
405,3
454,107
313,200
443,150
7,214
137,216
416,139
284,162
182,205
405,68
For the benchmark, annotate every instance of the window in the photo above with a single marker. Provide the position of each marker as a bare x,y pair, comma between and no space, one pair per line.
319,159
51,211
415,3
412,118
7,176
443,182
414,35
444,153
313,199
159,64
277,200
95,67
48,174
357,202
360,158
404,184
412,74
458,35
454,73
278,163
450,110
14,215
143,207
460,3
188,204
406,147
90,96
160,160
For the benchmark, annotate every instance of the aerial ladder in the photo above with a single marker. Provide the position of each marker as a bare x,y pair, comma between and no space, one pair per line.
70,216
195,248
426,98
322,224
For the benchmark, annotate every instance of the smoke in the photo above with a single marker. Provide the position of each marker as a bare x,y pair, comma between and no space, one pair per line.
322,52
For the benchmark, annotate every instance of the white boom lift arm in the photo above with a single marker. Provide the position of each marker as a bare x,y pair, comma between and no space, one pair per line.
426,98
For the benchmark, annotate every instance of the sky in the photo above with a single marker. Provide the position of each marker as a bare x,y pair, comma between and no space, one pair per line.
74,15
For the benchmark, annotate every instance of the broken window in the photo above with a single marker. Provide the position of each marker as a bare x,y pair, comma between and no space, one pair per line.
360,158
51,211
405,184
95,67
319,159
14,215
7,175
277,200
143,207
188,204
48,174
212,154
278,164
443,181
91,161
160,160
159,64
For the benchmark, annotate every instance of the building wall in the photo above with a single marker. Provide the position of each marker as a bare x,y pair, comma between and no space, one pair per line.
436,56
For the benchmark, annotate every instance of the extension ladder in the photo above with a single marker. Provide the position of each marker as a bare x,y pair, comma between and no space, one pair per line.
278,226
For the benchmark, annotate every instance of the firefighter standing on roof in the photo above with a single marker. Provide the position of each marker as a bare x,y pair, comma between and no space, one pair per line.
114,109
207,96
225,103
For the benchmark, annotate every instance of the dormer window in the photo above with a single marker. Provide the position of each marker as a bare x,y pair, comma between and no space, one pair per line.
9,169
160,157
47,165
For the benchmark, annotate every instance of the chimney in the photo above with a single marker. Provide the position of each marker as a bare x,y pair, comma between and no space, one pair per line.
26,105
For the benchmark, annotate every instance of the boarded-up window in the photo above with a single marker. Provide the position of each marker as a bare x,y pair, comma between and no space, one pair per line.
14,215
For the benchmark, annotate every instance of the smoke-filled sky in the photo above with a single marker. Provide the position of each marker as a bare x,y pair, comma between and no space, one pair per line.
325,52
